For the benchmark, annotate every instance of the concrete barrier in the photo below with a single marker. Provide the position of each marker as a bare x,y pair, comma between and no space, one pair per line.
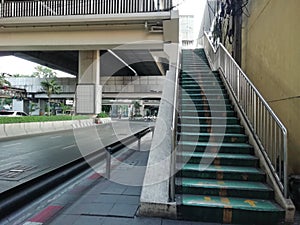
86,123
20,129
32,128
105,120
47,127
15,129
2,130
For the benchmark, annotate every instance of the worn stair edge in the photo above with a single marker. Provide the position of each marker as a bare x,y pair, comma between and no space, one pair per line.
220,172
224,188
229,210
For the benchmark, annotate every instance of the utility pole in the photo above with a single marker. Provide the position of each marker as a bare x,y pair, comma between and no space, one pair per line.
237,25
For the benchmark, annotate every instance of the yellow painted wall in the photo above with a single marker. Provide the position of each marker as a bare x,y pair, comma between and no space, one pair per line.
271,58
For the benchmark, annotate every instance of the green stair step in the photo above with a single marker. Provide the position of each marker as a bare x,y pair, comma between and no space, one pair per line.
201,80
221,172
224,188
201,83
217,158
204,78
203,128
207,113
206,91
206,101
208,70
215,147
208,96
205,137
215,107
209,120
203,88
229,210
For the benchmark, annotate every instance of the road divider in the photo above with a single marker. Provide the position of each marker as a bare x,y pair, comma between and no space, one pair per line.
22,129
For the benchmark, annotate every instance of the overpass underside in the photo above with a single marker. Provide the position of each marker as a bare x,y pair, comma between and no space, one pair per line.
115,49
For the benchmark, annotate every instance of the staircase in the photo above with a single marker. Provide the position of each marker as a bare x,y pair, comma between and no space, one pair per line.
218,179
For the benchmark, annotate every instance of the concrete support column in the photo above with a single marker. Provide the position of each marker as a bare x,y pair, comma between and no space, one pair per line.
89,90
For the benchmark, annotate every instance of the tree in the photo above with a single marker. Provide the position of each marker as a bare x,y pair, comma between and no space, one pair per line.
50,87
64,108
4,82
136,106
43,72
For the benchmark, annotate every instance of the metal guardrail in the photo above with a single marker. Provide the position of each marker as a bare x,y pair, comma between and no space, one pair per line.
174,129
35,8
267,128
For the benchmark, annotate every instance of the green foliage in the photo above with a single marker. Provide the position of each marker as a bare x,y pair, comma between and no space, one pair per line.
30,119
32,107
4,82
65,108
102,115
106,108
51,87
43,72
136,106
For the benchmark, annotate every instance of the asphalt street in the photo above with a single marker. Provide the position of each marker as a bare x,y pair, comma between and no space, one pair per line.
25,158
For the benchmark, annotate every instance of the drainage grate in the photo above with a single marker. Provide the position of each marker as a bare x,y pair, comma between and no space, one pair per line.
17,172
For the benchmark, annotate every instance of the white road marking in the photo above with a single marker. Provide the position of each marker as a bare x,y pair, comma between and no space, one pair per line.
11,145
32,223
67,147
54,137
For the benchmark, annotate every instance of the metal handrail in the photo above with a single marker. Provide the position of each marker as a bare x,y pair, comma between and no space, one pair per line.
174,129
267,128
35,8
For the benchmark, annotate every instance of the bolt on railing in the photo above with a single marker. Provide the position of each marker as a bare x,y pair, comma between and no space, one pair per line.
34,8
265,125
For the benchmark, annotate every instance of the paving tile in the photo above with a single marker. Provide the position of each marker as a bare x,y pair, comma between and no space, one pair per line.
117,221
88,198
124,210
106,198
133,190
129,199
88,220
147,221
175,222
114,189
91,209
65,219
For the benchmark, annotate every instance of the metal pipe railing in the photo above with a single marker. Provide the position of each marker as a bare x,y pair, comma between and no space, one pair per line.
266,126
34,8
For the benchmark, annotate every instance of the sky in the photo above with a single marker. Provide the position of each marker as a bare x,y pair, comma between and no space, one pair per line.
13,65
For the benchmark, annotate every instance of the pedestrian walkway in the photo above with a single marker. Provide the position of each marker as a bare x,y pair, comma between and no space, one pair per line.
107,202
113,202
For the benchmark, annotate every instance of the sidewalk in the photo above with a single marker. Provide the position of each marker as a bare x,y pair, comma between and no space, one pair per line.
107,202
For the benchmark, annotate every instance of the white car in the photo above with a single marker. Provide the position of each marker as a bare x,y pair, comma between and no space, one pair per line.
13,113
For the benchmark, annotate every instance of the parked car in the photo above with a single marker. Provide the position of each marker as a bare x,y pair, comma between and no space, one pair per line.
13,113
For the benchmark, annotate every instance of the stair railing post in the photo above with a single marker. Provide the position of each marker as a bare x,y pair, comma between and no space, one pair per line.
108,162
238,85
173,166
139,142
